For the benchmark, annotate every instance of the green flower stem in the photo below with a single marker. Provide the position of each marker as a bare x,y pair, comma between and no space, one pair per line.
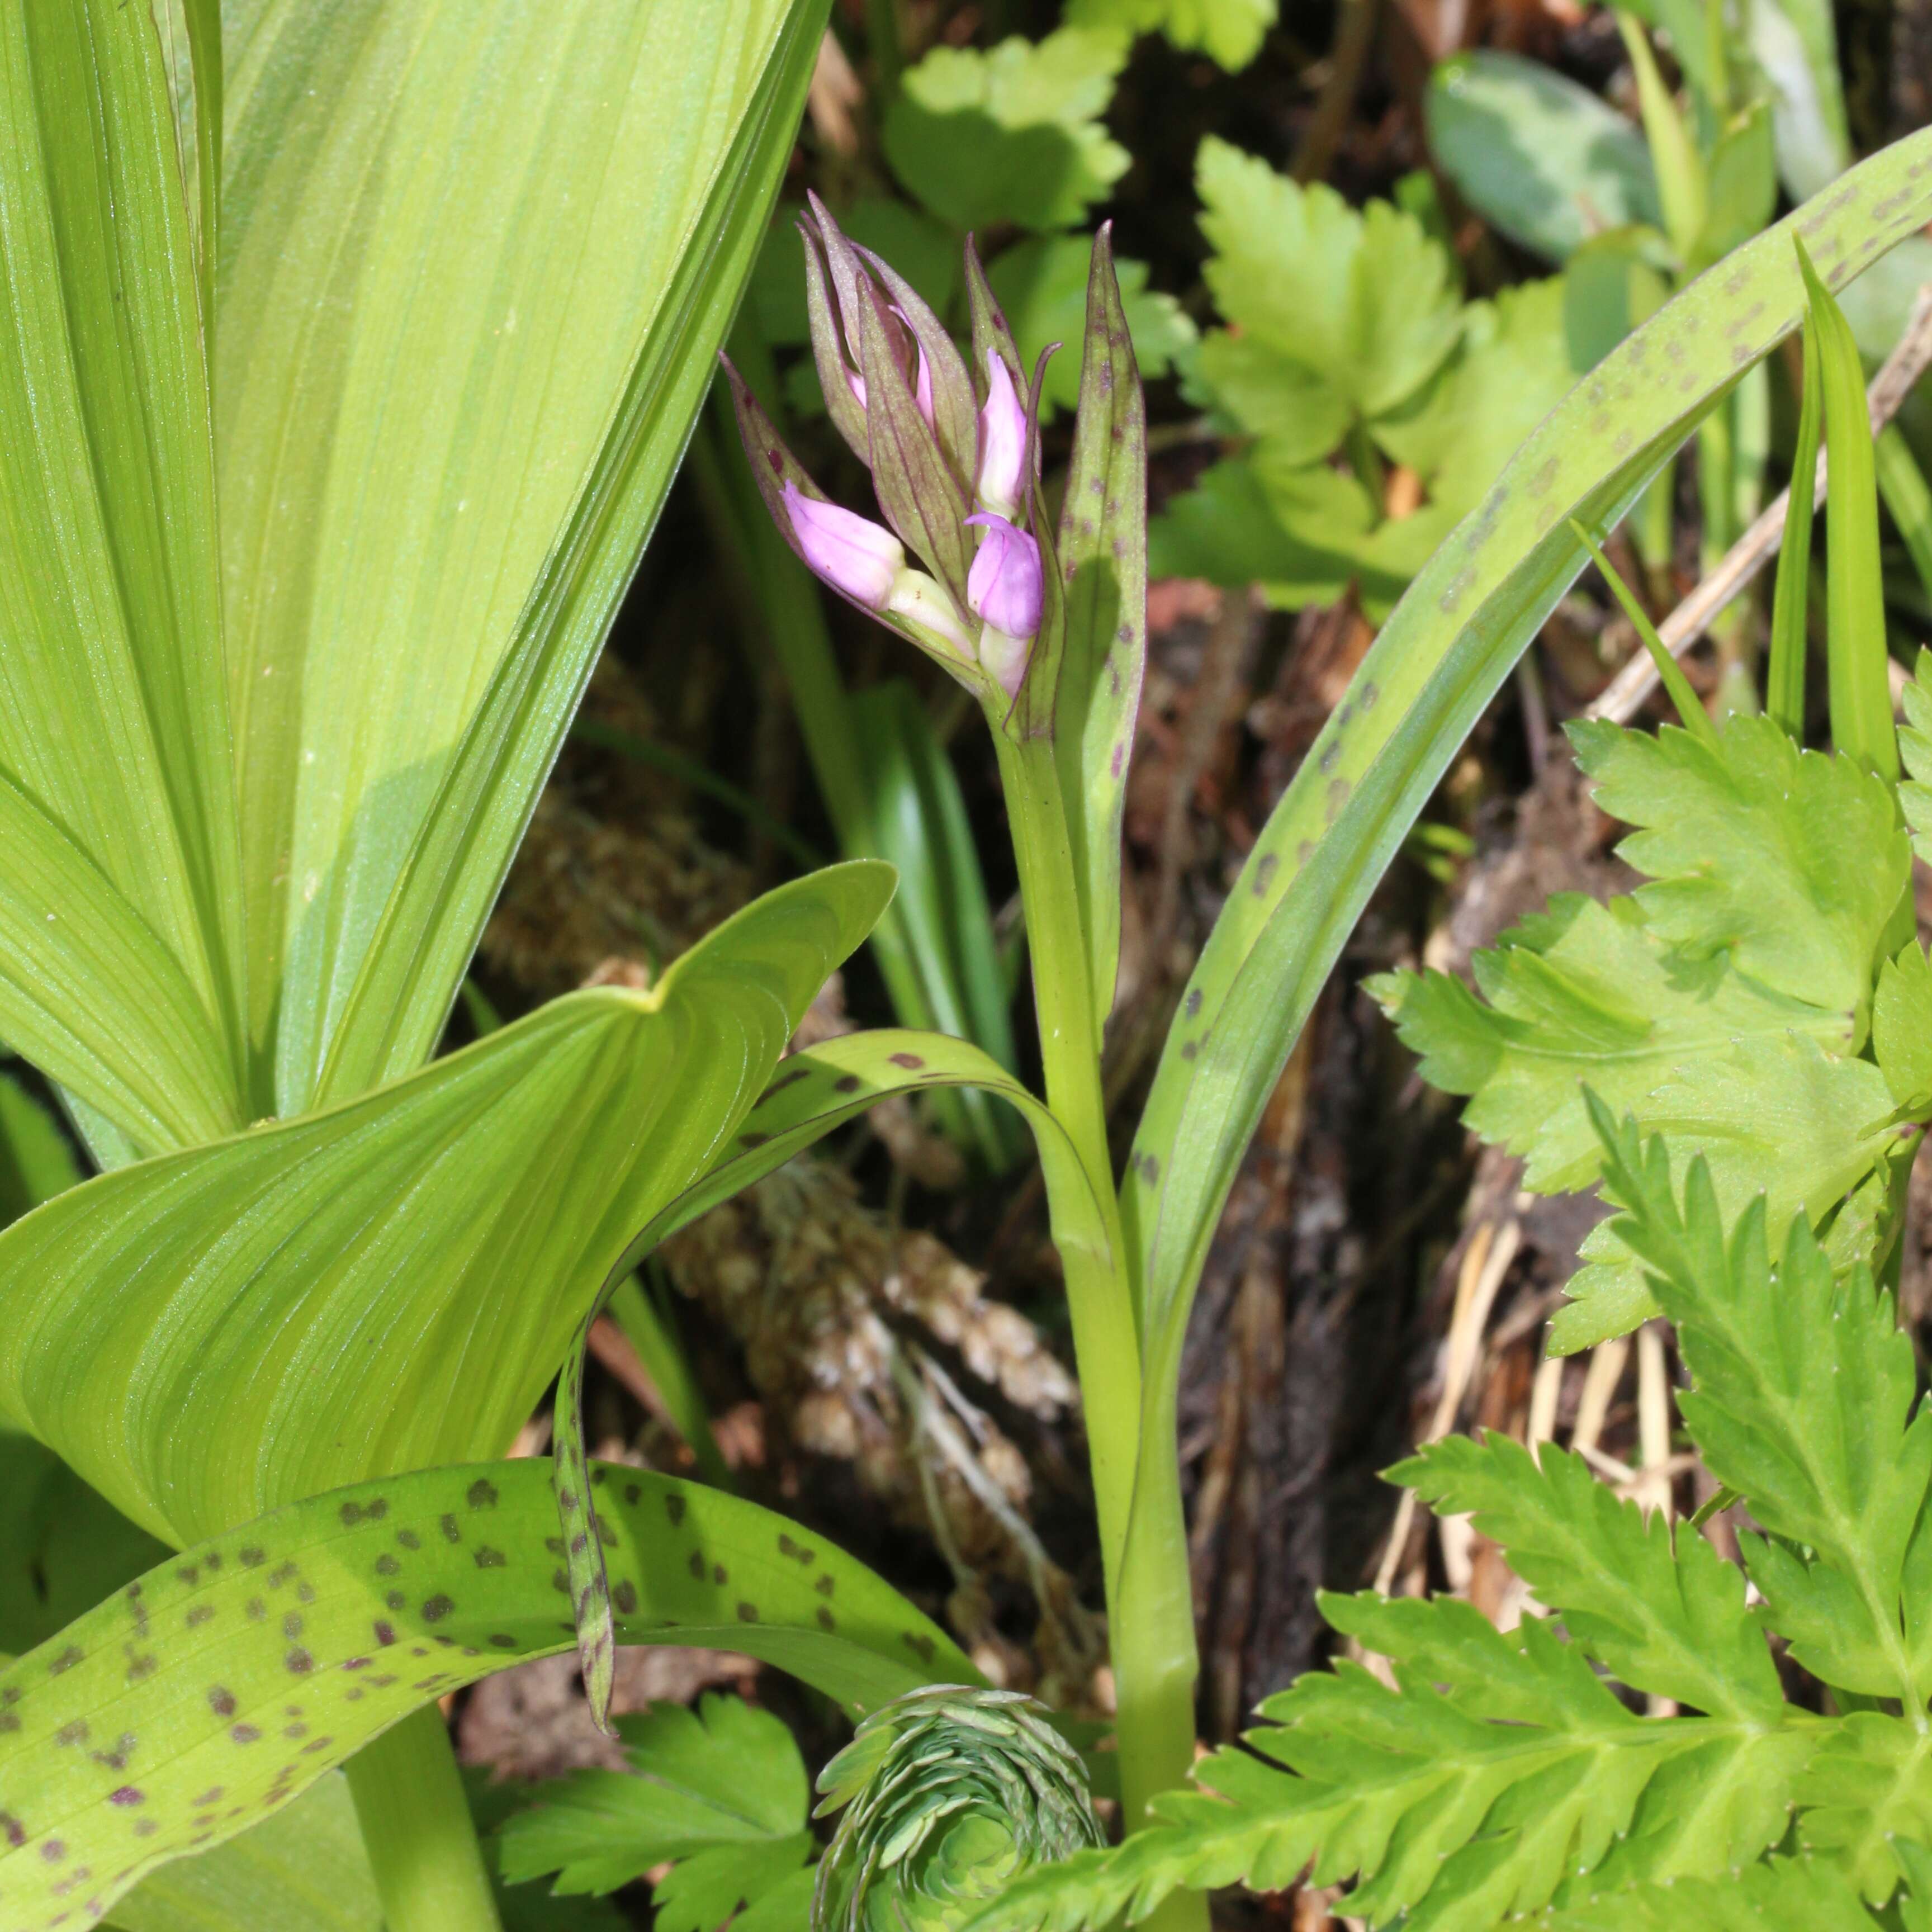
419,1833
1150,1596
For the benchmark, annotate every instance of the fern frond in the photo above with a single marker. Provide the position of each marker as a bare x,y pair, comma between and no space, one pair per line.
1670,1619
1450,1820
1800,1894
1804,1391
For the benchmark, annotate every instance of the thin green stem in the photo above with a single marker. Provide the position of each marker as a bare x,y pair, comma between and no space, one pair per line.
1149,1599
417,1828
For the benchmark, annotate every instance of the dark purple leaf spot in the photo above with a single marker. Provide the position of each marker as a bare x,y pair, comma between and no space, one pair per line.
481,1494
245,1734
386,1565
909,1060
438,1607
747,1613
848,1083
384,1632
487,1558
299,1663
221,1701
625,1596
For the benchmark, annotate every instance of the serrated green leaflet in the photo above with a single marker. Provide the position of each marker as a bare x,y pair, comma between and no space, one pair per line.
227,1681
1453,1821
175,1329
1801,1894
1230,31
1013,134
1868,1789
1805,1392
721,1789
473,271
1436,664
1669,1621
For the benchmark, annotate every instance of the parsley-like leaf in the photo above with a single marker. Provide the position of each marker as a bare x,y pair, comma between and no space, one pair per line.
1228,31
721,1790
1667,1618
1804,1389
1013,134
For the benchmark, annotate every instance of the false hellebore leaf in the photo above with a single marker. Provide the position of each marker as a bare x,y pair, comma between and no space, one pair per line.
216,1687
447,1232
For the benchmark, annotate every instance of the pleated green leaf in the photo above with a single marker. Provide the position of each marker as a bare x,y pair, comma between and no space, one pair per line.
389,1284
120,904
476,263
216,1688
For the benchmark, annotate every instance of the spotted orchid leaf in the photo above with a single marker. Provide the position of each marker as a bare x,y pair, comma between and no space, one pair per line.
218,1687
388,1285
1434,666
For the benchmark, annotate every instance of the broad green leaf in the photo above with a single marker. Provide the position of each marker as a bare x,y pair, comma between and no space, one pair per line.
1804,1390
717,1786
1741,189
1230,31
302,1869
1795,44
1366,300
1670,1621
62,1549
1585,993
474,271
36,1161
178,1331
1683,185
812,1093
1914,751
1436,664
1539,157
114,795
1013,134
1041,283
1791,861
222,1684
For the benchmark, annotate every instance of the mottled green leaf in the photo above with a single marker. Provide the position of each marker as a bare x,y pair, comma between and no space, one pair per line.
1434,666
1540,158
218,1687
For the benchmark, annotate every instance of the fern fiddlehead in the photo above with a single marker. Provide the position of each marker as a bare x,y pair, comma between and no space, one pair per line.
948,1794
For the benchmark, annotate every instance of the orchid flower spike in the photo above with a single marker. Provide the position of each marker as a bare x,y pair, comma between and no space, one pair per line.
1000,482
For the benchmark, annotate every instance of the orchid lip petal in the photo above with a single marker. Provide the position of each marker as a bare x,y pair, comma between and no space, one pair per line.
856,556
1005,587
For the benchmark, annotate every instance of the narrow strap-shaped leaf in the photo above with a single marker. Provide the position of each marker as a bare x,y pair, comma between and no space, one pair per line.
1791,607
204,50
1690,711
1437,662
1854,586
810,1093
215,1688
390,1284
113,706
1103,545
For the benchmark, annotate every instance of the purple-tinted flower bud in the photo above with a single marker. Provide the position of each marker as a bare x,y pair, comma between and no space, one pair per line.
1004,587
923,382
1000,482
852,554
855,383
